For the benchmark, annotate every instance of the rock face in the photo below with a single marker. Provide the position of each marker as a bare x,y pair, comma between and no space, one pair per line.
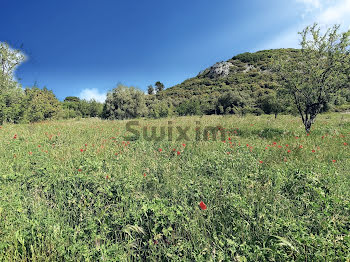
220,69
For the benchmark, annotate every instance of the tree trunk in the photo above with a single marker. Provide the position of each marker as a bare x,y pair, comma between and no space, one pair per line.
307,125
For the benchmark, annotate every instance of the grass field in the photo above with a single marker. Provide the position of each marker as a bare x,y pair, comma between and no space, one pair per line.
79,191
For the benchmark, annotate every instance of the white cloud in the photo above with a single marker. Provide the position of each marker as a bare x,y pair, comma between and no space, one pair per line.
336,13
324,12
312,4
93,93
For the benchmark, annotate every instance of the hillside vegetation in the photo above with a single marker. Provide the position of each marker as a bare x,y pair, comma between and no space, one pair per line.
250,82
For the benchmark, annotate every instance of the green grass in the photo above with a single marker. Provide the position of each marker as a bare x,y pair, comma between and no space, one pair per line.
113,200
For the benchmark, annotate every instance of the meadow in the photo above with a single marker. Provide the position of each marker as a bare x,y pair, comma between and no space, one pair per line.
79,190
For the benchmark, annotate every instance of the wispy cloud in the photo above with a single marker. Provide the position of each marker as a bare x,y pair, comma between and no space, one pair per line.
324,12
93,93
336,13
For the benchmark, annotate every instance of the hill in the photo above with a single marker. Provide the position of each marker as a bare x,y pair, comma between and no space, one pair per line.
246,77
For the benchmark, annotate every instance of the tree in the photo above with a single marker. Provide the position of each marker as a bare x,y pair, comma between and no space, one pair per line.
322,68
11,94
72,99
150,90
159,86
229,102
9,60
41,104
124,102
270,104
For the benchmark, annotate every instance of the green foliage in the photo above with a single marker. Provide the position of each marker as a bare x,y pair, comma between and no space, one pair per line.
321,70
159,86
11,93
189,108
160,109
124,103
150,90
41,104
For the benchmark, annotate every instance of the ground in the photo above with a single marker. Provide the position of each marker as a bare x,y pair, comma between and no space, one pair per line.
88,190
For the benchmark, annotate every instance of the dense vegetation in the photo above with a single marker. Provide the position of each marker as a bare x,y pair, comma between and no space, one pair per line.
250,86
79,191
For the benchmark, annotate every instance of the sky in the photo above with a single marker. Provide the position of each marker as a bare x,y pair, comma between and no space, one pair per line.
85,48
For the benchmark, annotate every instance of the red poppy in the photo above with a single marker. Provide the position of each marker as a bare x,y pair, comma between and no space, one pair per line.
313,151
300,146
30,153
345,144
144,175
202,205
334,161
288,151
183,145
160,150
81,150
287,145
178,153
261,162
79,170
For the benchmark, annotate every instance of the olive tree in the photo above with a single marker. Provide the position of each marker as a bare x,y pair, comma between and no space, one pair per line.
321,69
124,103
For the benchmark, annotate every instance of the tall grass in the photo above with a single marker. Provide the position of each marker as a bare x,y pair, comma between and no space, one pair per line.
78,191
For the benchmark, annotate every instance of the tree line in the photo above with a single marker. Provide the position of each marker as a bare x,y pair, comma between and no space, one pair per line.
305,82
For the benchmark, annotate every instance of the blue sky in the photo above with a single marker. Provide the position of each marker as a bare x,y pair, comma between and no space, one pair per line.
85,48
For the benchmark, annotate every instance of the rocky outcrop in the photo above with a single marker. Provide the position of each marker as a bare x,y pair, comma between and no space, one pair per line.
220,69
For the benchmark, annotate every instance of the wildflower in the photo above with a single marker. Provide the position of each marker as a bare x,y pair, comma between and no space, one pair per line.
334,161
300,146
313,151
178,153
144,175
107,177
345,144
261,162
288,151
287,145
184,145
202,205
30,153
160,150
81,150
79,170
